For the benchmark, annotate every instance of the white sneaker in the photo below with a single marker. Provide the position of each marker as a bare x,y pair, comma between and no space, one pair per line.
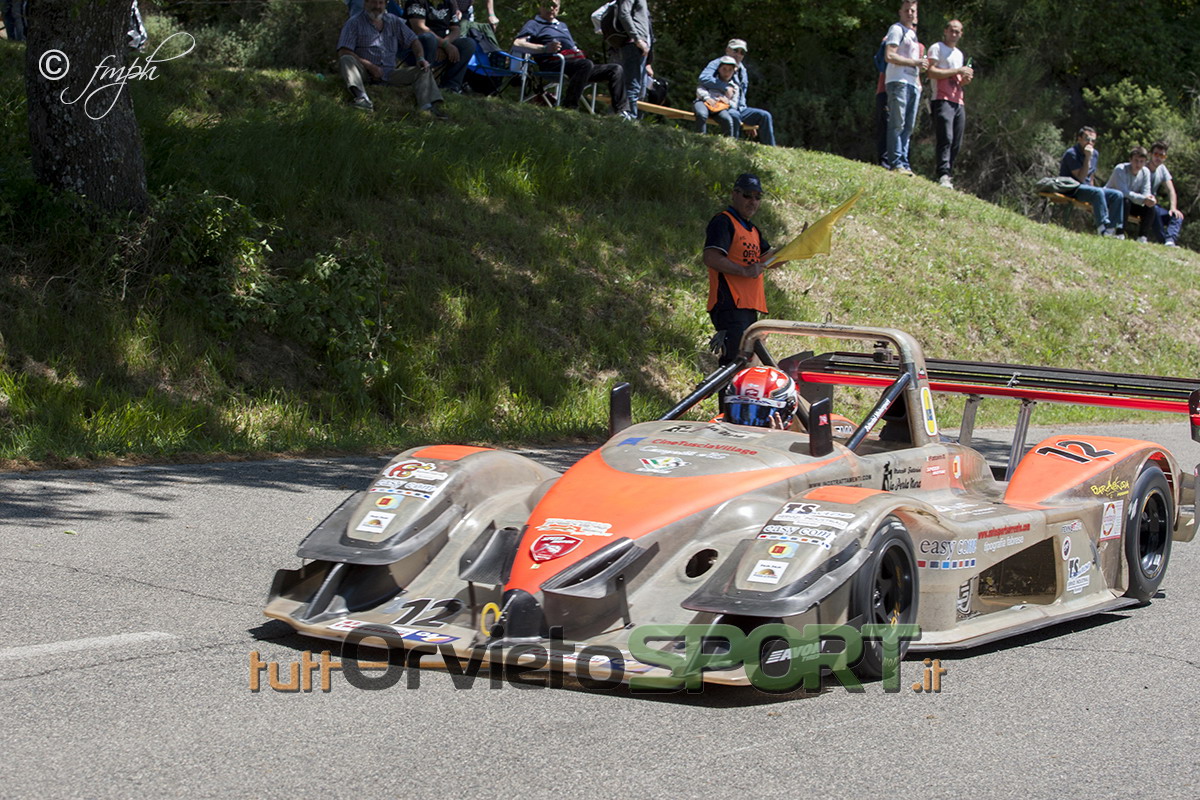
1104,231
1142,240
1169,243
946,181
1117,233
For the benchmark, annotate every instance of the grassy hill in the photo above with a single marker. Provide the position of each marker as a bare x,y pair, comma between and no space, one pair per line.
313,278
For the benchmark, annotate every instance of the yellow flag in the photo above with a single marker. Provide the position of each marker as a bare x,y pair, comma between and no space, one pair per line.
815,239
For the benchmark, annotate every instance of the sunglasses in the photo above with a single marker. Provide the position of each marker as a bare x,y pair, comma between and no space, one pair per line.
751,195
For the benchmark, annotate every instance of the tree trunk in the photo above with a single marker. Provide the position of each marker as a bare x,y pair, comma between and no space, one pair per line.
85,137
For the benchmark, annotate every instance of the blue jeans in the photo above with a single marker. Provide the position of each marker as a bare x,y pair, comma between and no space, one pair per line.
764,121
14,20
1108,205
727,119
1162,224
634,64
451,74
902,114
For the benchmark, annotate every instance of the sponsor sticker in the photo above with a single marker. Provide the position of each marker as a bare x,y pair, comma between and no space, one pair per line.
1078,578
949,547
552,545
1110,521
383,629
816,521
631,440
661,466
387,501
927,411
956,467
1066,547
689,453
626,664
766,571
962,607
422,470
1074,526
577,527
962,564
1117,487
782,550
374,522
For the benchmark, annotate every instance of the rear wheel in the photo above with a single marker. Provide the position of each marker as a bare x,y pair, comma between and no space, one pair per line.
884,592
1148,522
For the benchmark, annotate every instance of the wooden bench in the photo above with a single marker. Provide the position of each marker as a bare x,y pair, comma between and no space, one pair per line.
1070,202
678,113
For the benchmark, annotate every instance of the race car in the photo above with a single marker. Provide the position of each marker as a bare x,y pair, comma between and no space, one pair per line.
651,555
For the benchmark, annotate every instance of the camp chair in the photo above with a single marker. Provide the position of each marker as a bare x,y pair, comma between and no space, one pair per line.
492,73
540,85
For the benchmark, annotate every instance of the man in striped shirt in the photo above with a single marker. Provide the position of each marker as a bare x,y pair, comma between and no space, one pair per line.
367,51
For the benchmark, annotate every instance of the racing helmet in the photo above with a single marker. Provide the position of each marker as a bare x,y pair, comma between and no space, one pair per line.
757,392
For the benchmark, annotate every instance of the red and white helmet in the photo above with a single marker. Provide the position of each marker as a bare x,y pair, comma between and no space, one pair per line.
756,393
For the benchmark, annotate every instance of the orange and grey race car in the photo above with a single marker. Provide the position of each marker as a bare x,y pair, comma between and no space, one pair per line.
676,527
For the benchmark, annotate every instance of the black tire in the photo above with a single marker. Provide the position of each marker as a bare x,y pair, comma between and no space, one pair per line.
1148,527
885,592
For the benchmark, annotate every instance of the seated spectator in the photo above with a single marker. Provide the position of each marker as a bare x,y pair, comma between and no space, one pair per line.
717,96
435,22
736,49
1108,205
1163,224
546,37
1132,180
367,51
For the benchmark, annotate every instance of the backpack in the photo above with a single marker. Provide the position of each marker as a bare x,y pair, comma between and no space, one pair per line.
1059,185
881,57
607,24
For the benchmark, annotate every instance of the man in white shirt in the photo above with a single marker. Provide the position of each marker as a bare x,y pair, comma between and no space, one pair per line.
903,82
947,76
1132,180
1163,223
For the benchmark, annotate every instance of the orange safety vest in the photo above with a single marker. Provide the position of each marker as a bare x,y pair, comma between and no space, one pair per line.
746,249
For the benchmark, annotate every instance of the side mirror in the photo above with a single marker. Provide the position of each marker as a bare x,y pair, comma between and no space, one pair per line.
820,428
620,409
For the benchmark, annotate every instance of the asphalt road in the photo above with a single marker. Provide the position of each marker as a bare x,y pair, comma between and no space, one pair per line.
132,599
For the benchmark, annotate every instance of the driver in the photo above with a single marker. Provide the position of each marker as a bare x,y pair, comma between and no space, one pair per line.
763,397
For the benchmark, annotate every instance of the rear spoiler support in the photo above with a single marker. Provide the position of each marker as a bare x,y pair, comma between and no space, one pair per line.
1020,434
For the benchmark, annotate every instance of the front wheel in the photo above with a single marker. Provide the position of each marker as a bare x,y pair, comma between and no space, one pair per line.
884,592
1148,521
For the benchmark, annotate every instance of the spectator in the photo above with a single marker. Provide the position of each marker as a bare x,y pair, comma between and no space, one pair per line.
736,49
468,11
1164,222
734,250
546,36
947,76
718,95
14,20
1132,180
1108,205
437,28
367,51
881,121
632,40
903,80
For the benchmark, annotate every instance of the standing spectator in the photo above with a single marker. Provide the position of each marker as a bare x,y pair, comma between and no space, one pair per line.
14,20
367,50
438,29
546,36
718,96
1132,180
881,121
736,49
734,250
903,79
1164,222
947,76
1108,205
632,39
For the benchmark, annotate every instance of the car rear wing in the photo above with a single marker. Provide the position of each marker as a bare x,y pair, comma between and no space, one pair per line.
1030,385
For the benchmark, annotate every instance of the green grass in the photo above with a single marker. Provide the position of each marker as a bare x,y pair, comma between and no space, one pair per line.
312,278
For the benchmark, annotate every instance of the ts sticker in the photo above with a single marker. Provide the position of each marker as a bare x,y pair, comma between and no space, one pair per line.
551,546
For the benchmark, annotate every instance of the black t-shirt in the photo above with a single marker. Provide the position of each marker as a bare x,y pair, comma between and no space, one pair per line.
438,17
719,236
